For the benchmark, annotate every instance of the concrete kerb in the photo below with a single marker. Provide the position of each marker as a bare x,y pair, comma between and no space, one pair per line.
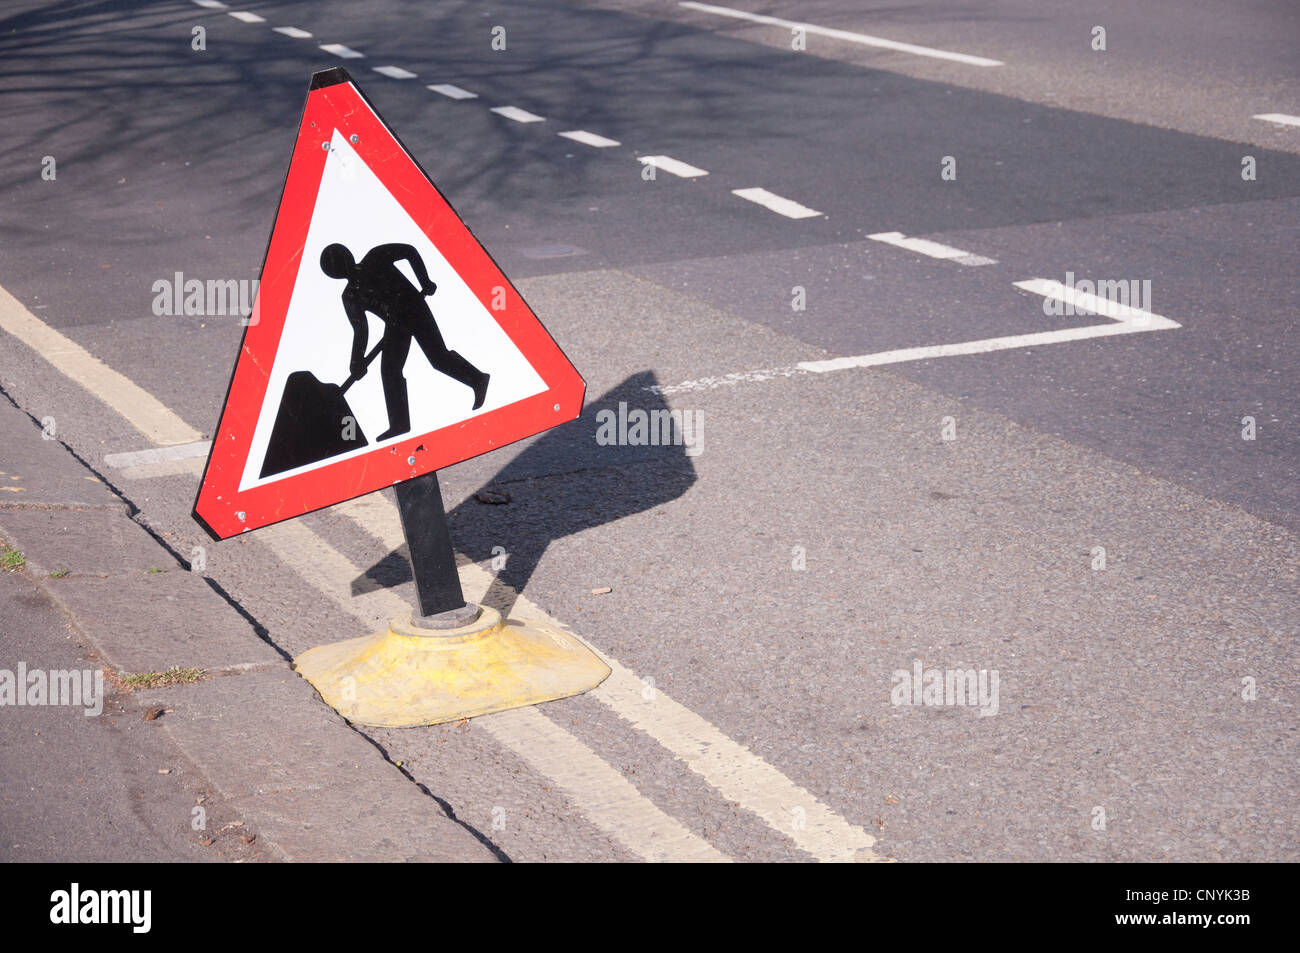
313,788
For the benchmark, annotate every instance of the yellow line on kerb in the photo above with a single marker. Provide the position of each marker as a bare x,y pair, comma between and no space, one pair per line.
144,411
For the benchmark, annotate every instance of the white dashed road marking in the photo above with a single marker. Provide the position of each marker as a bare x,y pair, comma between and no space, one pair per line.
863,38
669,164
394,72
777,204
923,246
590,139
211,4
338,49
292,31
247,17
517,114
452,92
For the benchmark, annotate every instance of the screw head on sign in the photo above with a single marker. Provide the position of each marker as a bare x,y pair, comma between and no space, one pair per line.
324,145
240,516
411,460
353,138
557,408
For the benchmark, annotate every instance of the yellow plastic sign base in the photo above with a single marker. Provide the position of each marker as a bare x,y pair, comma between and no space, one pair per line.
410,676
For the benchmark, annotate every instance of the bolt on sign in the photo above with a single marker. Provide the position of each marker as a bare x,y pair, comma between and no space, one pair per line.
384,342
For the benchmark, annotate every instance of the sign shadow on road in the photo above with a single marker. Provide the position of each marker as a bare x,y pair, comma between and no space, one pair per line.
562,483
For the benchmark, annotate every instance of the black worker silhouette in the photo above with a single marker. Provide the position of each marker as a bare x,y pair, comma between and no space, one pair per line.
315,421
376,285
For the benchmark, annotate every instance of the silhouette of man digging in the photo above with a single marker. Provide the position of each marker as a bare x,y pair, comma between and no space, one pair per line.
376,285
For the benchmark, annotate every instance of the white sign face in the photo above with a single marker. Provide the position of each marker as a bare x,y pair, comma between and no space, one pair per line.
354,209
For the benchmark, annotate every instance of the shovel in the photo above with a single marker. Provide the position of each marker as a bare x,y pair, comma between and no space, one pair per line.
312,422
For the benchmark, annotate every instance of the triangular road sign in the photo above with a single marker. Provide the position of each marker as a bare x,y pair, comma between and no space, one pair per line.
384,342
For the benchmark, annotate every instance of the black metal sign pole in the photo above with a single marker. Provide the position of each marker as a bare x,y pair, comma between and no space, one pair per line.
433,563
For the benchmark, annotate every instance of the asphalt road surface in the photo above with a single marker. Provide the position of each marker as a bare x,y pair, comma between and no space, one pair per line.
842,519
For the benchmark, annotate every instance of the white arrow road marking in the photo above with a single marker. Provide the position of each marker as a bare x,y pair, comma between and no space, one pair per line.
1280,118
1127,320
1138,318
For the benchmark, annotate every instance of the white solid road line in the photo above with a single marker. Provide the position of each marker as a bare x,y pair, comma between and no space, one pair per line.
770,200
395,72
338,49
600,792
669,164
605,796
863,38
244,17
731,769
144,411
292,31
590,139
133,458
452,92
923,246
637,822
1280,118
517,114
735,772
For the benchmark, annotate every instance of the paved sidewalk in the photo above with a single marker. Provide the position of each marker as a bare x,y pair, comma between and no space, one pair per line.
251,733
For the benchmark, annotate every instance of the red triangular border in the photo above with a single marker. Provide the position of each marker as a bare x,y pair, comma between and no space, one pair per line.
335,102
